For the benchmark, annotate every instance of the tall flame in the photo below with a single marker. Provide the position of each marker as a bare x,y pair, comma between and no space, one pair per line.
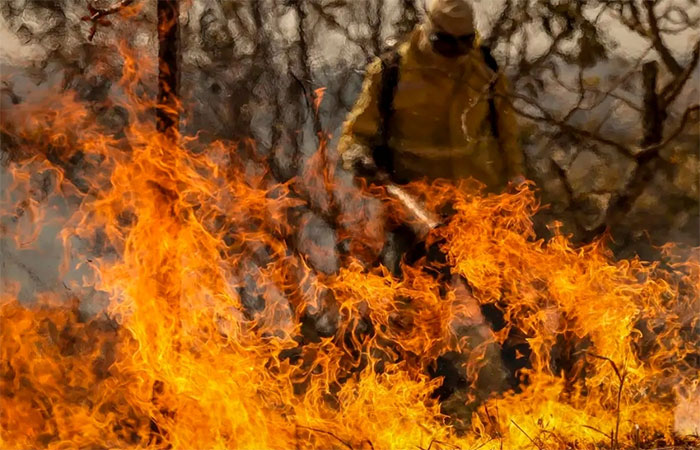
202,342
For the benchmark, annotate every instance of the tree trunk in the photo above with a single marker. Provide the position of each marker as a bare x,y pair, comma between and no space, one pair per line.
167,116
167,120
654,115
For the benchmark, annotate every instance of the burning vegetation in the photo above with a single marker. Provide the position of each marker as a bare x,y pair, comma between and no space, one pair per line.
218,332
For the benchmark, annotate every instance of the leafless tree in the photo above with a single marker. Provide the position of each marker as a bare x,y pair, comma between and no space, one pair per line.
251,70
580,41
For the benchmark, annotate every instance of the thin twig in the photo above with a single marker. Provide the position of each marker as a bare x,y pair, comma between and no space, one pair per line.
546,117
481,445
97,15
346,444
526,435
435,441
555,436
598,431
621,377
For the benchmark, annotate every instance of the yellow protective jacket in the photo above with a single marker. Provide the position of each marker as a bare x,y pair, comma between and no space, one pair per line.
440,125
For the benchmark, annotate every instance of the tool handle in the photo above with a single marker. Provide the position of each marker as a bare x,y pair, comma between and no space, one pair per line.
423,220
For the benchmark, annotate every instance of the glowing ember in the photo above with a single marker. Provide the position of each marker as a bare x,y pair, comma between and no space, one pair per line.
185,358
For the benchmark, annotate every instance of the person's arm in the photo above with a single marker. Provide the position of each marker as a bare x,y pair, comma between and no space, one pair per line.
508,132
362,126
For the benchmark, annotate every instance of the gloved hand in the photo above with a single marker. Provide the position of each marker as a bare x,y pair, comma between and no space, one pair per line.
357,158
364,166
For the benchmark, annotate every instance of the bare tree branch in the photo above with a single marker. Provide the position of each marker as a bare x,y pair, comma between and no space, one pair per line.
548,118
671,91
98,15
647,152
328,433
657,40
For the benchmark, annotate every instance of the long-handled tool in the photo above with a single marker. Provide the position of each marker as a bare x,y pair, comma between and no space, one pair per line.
469,322
421,220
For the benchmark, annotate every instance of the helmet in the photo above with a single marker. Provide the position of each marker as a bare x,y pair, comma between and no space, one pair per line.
455,17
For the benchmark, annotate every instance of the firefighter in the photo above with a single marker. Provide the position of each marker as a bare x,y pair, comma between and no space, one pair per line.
436,107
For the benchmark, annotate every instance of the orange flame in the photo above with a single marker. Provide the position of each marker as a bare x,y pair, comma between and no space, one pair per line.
203,346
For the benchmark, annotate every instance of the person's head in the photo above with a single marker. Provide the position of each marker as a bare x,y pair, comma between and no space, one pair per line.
450,27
